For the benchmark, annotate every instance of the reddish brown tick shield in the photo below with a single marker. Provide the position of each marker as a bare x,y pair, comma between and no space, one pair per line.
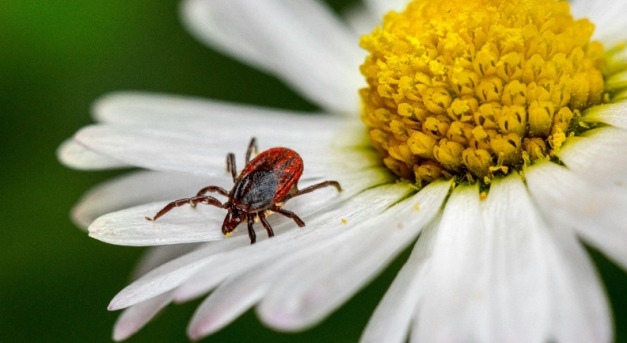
265,184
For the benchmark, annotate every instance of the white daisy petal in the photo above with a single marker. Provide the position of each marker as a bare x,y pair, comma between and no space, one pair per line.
138,188
203,223
186,112
517,293
169,275
595,213
579,306
599,155
609,16
135,317
130,226
391,321
452,308
237,295
455,303
202,154
288,38
77,156
308,293
614,114
223,259
157,256
320,226
227,303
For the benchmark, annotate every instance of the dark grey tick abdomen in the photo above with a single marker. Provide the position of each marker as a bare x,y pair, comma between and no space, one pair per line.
257,190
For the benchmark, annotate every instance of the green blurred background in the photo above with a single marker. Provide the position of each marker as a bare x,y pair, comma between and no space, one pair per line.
56,57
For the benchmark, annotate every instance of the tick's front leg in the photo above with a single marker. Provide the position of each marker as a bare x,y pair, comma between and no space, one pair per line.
191,201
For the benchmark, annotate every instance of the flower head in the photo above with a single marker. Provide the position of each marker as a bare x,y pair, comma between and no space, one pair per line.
502,123
474,90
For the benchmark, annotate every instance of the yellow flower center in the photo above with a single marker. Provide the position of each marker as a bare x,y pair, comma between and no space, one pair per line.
475,88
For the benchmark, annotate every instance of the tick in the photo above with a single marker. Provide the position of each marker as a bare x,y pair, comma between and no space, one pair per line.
262,188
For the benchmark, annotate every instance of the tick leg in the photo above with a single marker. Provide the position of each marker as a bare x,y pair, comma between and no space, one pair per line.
192,201
289,214
213,189
264,222
314,187
251,231
252,146
230,165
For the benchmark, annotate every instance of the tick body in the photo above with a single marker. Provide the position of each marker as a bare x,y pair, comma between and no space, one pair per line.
263,186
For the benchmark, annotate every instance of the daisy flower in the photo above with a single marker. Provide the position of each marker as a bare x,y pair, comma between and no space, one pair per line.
488,136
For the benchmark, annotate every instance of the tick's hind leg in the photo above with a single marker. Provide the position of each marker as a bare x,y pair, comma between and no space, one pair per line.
266,225
210,189
290,215
314,187
252,147
213,189
191,201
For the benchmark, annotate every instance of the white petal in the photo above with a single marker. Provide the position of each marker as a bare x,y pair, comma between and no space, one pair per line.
600,156
308,293
576,304
380,7
169,275
392,319
185,150
78,156
167,110
203,223
266,261
302,42
452,308
135,317
579,305
154,257
138,315
320,226
227,302
130,226
596,213
488,284
608,17
177,271
518,297
614,114
138,188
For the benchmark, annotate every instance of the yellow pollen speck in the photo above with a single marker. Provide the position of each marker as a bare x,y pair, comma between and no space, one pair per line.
473,89
344,221
228,234
417,207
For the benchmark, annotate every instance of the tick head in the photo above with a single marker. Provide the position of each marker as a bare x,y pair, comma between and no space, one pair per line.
232,219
